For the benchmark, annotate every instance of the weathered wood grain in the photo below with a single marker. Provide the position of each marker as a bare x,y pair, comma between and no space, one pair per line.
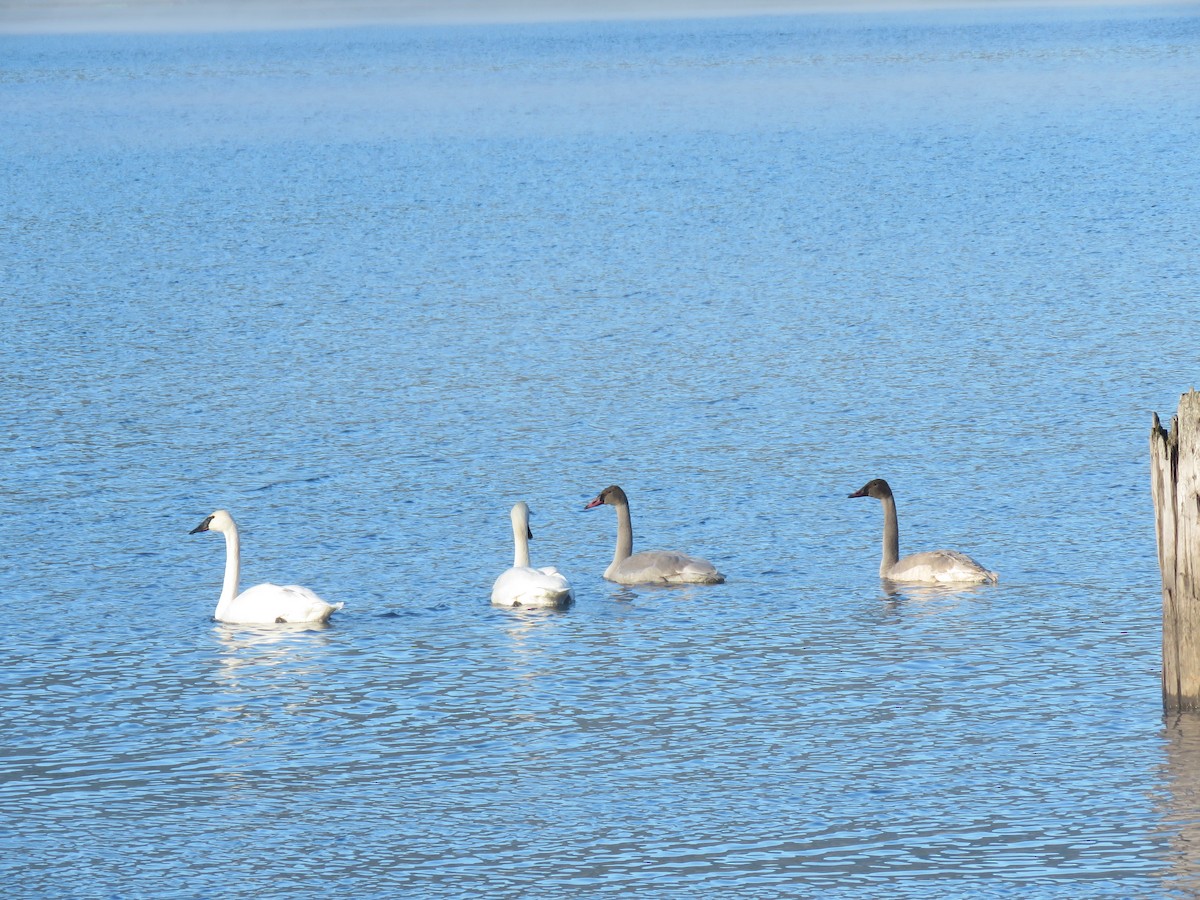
1175,487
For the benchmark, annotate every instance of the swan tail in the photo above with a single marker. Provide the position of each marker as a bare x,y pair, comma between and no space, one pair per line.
701,571
330,609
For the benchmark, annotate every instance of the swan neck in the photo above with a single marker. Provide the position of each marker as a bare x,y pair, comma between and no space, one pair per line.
624,534
233,565
521,543
891,536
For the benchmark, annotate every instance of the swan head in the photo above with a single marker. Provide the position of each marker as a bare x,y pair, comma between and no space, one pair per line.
218,521
611,495
877,488
520,518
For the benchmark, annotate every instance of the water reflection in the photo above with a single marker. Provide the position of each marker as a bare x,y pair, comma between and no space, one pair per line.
246,648
895,592
627,594
270,674
523,707
521,621
1181,804
901,603
276,690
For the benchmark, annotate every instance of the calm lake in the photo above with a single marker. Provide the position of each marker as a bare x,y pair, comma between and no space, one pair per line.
367,288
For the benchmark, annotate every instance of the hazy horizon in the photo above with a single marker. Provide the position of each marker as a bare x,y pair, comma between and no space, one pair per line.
68,16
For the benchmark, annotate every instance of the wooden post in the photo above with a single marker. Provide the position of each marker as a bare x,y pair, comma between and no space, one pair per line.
1175,484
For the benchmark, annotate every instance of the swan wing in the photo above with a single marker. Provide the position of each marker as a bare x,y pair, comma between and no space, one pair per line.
940,567
664,567
266,604
525,586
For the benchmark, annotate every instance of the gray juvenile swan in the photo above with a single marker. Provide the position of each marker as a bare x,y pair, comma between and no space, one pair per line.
649,566
930,567
263,604
523,585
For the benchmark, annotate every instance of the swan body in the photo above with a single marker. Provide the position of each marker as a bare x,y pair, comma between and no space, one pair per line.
263,604
649,566
523,585
929,567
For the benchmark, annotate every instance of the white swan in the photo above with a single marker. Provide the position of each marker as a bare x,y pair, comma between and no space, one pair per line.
649,566
263,604
930,567
523,585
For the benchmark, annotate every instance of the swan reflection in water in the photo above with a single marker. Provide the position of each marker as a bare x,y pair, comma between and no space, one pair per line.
258,655
895,592
907,600
520,622
523,626
674,593
273,688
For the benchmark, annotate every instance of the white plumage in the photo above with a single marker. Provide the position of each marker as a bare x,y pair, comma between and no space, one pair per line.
523,585
263,604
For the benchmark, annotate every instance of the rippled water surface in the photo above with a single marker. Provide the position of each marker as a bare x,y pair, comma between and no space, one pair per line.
367,288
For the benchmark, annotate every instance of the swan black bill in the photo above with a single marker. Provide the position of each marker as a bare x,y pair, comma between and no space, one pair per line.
203,526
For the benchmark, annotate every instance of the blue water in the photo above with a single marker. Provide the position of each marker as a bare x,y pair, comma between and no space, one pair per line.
367,288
